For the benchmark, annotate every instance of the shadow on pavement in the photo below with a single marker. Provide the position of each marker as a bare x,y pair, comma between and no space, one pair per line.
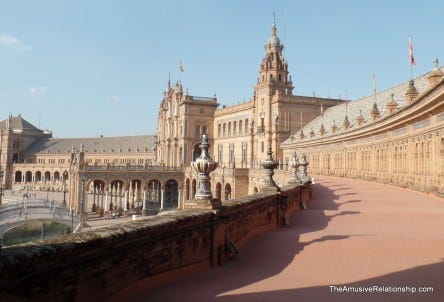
430,274
264,256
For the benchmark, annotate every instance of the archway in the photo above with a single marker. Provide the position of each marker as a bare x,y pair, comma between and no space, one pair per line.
135,193
171,194
116,190
218,191
187,189
18,176
28,176
65,176
95,195
38,176
47,176
153,191
56,176
227,191
255,190
193,189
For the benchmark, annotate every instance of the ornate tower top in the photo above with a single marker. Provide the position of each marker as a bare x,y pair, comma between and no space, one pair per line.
273,41
273,74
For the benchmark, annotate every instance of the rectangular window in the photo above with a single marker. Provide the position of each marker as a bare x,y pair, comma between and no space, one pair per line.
262,147
204,130
197,132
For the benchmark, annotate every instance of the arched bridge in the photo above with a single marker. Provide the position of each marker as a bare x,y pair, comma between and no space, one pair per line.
28,210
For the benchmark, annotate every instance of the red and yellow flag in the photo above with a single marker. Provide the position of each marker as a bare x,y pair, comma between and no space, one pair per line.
412,59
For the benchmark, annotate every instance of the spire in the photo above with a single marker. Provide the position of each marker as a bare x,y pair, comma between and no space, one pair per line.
273,73
360,119
392,105
346,122
375,111
274,42
411,93
436,75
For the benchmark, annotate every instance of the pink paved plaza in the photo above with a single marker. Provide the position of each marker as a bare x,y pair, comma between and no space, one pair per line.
355,233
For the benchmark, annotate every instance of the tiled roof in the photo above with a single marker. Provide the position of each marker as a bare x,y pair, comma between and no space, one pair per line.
336,115
18,123
108,145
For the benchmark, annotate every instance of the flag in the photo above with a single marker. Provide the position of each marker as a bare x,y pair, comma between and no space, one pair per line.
412,59
181,66
374,83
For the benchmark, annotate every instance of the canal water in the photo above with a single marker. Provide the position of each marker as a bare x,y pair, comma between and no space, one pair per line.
35,230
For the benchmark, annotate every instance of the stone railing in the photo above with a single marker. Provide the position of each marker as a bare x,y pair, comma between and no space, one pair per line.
114,262
130,168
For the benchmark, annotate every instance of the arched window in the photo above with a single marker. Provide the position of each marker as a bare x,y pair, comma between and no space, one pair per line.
229,129
187,189
246,127
193,189
219,130
234,127
18,176
218,191
240,127
227,192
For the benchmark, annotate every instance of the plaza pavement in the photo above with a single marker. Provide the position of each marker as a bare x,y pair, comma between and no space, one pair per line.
355,233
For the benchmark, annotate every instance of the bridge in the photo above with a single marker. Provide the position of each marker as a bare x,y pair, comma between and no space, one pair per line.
21,211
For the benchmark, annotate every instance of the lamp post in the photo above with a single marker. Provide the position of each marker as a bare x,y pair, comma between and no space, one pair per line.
1,181
64,188
82,199
64,195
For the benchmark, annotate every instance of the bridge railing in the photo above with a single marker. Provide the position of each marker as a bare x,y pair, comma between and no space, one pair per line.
35,209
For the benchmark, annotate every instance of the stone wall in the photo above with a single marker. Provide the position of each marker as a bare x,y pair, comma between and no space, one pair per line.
113,262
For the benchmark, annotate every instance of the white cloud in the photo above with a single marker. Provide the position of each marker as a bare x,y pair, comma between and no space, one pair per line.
13,43
113,98
36,91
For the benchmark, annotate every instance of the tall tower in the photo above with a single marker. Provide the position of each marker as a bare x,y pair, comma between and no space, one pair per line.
274,84
273,73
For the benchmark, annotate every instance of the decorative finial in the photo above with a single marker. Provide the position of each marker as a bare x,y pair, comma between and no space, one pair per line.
274,19
436,61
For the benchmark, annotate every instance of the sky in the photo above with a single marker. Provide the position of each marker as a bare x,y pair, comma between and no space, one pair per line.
87,68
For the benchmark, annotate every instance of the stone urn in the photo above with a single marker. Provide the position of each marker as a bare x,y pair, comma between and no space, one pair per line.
204,165
269,165
294,166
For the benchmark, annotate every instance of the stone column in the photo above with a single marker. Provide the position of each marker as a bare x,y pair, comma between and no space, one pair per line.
144,210
179,202
126,201
106,209
161,199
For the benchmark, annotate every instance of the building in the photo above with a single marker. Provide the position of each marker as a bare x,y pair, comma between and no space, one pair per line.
394,136
240,134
